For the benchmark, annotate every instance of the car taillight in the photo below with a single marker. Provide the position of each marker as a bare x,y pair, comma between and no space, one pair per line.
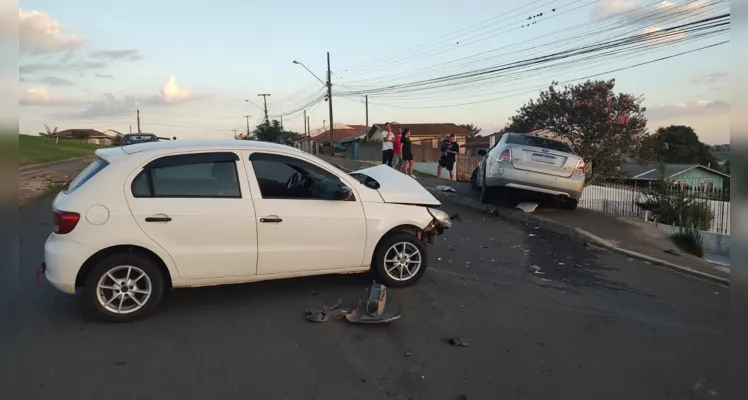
505,156
65,222
580,168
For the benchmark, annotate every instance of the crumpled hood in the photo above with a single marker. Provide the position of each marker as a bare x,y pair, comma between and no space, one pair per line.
396,187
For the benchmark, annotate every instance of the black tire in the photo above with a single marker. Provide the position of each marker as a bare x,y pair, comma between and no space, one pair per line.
487,193
378,262
569,204
111,263
474,180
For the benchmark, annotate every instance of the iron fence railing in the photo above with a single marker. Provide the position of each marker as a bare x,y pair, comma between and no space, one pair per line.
707,210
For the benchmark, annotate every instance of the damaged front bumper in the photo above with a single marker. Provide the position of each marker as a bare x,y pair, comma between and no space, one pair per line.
437,226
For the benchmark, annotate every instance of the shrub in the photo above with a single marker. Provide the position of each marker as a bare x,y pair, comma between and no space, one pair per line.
690,241
679,207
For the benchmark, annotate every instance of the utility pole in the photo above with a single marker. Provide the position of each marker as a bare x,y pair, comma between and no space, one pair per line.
308,127
329,101
130,128
247,117
138,121
281,122
234,134
367,111
305,126
265,101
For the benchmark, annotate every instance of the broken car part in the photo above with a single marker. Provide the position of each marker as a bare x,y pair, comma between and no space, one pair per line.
327,313
375,309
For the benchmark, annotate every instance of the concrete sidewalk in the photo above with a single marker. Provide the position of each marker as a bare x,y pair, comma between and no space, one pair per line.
633,238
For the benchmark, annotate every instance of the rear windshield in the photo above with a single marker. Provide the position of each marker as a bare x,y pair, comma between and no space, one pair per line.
539,141
88,173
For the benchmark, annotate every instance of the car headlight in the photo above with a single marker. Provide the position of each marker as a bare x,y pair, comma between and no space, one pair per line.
441,217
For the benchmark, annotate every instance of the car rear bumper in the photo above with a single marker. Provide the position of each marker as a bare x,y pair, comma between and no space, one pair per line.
63,259
509,177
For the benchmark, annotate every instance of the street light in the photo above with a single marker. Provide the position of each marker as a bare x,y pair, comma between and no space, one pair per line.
310,71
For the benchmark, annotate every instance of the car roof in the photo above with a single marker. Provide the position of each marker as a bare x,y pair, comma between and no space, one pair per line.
112,153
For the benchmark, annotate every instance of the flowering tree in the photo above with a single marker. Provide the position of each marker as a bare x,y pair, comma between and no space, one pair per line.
603,127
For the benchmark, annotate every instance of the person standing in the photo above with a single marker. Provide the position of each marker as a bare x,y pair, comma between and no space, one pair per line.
450,150
397,154
388,148
407,153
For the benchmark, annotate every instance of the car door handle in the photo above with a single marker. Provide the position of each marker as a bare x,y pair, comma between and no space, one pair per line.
157,219
271,219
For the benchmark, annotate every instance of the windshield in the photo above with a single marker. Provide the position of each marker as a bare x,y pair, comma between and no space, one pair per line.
539,141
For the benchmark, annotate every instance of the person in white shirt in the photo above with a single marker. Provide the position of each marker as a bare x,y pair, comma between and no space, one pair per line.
388,148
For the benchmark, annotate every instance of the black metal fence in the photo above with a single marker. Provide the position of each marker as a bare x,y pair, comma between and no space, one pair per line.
685,206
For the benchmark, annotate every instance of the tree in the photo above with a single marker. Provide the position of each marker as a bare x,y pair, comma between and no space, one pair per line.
727,166
49,132
678,144
471,129
272,132
602,126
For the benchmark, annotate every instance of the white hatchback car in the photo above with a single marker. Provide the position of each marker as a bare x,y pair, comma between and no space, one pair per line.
146,218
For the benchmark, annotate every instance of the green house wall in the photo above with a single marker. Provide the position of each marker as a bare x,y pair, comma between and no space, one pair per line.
694,176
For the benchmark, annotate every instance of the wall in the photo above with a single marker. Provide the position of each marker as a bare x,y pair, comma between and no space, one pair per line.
696,175
431,168
715,244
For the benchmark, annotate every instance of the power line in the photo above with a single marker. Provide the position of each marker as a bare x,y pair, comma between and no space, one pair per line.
567,81
447,36
664,36
631,19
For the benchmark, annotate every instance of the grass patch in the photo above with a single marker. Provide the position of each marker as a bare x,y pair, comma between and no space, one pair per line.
689,242
38,149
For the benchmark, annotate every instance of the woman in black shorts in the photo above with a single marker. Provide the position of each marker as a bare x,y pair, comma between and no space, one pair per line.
407,153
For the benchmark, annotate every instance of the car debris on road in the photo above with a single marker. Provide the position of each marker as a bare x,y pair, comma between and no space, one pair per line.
373,310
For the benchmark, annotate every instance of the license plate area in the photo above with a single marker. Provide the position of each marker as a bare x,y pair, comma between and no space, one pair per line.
543,158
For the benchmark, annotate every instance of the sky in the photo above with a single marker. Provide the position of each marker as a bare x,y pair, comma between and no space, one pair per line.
190,67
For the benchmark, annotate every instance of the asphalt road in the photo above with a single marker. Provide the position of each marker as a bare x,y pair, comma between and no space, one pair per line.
595,325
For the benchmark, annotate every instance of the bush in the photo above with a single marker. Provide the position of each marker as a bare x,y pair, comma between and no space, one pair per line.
679,207
690,241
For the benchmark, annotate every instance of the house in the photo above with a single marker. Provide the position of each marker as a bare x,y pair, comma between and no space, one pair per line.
341,134
423,134
102,140
691,176
482,142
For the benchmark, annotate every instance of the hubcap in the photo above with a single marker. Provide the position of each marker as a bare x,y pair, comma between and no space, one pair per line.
402,261
124,289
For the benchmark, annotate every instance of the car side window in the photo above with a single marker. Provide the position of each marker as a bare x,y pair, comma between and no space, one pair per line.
199,175
283,177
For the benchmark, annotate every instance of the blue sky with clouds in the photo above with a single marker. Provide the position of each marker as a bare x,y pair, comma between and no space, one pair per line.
189,66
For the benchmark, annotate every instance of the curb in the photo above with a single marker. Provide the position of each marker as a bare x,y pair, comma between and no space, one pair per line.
572,232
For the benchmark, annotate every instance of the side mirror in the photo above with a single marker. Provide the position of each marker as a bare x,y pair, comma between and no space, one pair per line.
482,153
344,193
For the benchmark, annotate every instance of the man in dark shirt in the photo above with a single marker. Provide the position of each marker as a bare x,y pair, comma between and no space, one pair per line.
449,150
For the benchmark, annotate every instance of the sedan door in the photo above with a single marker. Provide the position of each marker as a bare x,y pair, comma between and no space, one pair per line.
198,207
301,228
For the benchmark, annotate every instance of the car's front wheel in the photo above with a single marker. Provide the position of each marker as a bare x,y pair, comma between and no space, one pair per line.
400,260
474,180
124,288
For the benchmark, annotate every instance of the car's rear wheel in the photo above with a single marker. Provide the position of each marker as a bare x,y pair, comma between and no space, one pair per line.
124,288
569,204
400,260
